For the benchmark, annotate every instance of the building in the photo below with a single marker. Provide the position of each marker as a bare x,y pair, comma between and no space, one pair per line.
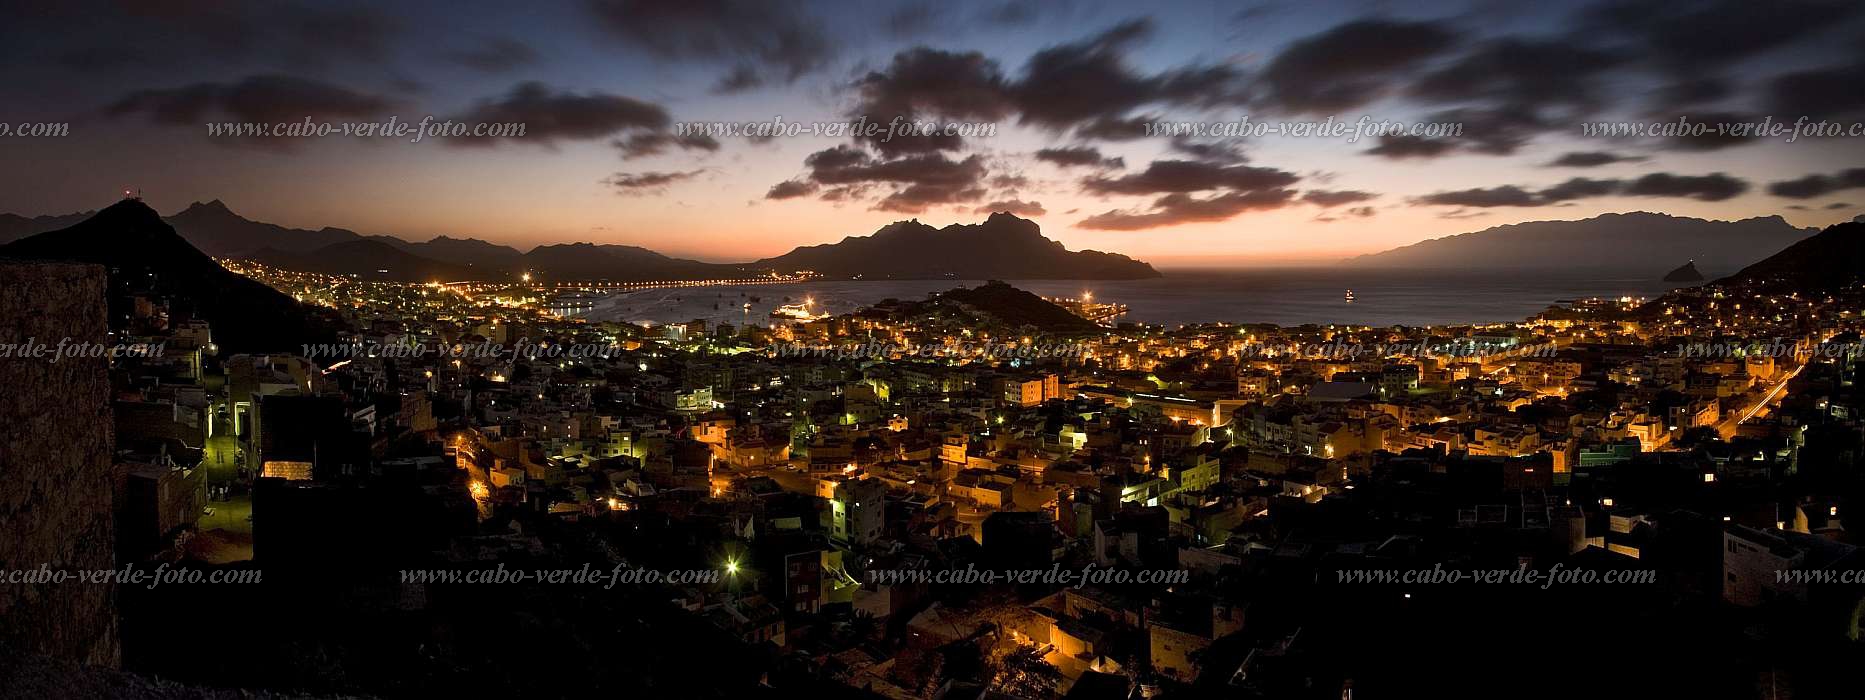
858,511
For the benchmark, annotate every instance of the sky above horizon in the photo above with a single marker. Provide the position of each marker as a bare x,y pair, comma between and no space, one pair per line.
1068,85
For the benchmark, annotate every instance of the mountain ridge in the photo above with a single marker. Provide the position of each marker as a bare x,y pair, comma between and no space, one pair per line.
1628,241
1002,246
145,254
1828,261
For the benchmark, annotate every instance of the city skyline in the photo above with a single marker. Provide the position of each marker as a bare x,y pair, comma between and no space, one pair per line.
604,99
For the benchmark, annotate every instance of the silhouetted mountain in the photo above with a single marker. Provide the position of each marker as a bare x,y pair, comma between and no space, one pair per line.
1014,307
1003,247
1619,242
217,231
146,256
470,252
14,227
1831,260
588,261
368,259
1687,273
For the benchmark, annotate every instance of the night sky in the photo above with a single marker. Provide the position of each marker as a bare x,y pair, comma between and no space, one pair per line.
600,84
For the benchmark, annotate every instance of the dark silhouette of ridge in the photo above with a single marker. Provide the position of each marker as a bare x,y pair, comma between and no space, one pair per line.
145,255
1829,261
1687,273
1004,246
1622,242
1015,308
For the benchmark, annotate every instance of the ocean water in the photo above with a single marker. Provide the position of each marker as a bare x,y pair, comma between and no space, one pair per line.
1283,296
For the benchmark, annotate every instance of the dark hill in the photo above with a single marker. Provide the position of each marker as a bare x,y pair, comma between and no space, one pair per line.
1003,247
1687,273
146,256
214,229
470,252
1831,260
588,261
14,227
1017,308
1621,242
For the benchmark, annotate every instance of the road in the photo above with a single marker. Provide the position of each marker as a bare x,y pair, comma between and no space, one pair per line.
1728,427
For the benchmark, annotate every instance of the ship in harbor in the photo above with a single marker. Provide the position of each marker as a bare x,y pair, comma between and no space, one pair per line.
804,311
1349,296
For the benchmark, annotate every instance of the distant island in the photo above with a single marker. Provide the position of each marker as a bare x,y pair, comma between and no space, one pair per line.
1618,242
1687,273
1004,246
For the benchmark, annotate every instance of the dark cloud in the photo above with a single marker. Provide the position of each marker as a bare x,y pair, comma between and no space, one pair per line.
1817,185
1839,205
549,115
1190,176
1086,85
1227,152
260,98
741,78
1079,156
360,33
650,143
845,165
1691,37
1494,132
1335,198
1579,188
1401,146
1714,187
791,189
1520,73
1009,182
1690,91
1348,213
1462,214
1719,132
1349,65
1081,82
102,35
496,55
1014,206
647,182
921,180
1822,93
1179,208
1592,159
923,83
775,39
918,198
1112,128
926,17
1483,197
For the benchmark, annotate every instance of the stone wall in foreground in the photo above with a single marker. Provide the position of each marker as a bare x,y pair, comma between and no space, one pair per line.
55,456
